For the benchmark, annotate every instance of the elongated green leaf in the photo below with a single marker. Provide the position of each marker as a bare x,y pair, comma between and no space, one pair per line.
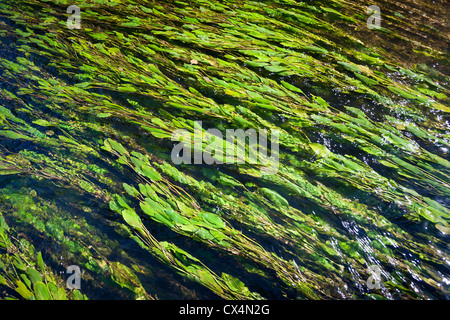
41,291
23,291
131,217
151,173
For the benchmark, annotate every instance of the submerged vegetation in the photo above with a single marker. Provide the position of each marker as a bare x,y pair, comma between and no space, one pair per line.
86,176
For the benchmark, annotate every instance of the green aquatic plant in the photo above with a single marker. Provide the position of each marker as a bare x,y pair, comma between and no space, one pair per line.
25,273
86,123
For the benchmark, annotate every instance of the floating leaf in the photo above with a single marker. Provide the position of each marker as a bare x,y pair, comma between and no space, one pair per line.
42,122
130,216
23,291
132,191
41,291
275,197
151,173
442,228
118,147
127,89
276,69
104,115
212,219
34,275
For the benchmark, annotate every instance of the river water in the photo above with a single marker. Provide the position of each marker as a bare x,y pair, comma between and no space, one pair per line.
357,209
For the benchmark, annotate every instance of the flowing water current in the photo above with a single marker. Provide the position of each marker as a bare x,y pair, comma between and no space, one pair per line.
355,104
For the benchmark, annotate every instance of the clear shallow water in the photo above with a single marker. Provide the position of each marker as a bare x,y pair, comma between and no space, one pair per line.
377,195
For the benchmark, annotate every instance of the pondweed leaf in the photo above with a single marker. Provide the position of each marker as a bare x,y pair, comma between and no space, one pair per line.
401,92
41,291
150,173
42,122
33,275
363,148
234,283
104,115
442,228
126,89
276,69
132,191
212,219
157,133
130,216
23,291
291,87
275,197
117,147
